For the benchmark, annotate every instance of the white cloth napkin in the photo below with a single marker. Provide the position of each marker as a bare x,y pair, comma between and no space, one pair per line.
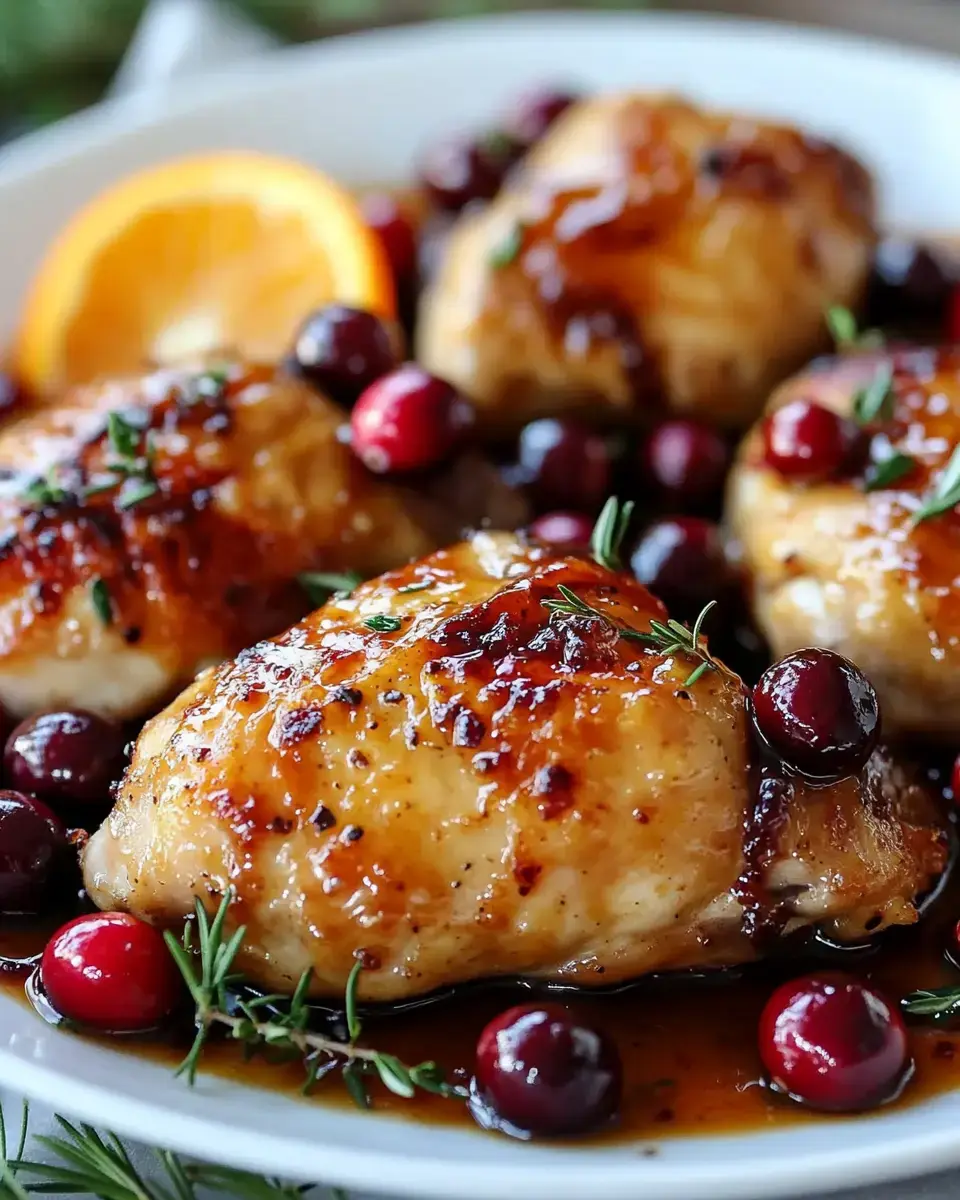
177,38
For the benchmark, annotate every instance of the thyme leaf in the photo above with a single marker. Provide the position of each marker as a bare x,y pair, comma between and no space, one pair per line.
382,623
101,600
46,491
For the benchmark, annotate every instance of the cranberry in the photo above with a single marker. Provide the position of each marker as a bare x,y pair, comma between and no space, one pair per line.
68,756
955,781
681,560
34,854
456,171
565,464
909,282
834,1043
805,441
534,112
341,350
563,529
408,420
539,1071
686,460
385,216
110,972
819,712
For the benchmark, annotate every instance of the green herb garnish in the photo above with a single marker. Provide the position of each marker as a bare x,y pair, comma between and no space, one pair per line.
420,586
321,585
134,491
609,532
507,249
381,623
46,491
845,332
101,600
124,437
938,1003
946,494
886,472
875,402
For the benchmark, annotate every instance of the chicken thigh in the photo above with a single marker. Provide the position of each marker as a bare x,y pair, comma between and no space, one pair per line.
648,254
446,776
149,527
841,564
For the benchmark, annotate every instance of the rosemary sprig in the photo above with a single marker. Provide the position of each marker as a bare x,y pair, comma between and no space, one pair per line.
887,471
936,1003
320,586
609,532
946,494
875,402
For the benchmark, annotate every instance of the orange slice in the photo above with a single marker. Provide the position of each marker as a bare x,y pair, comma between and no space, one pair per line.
221,252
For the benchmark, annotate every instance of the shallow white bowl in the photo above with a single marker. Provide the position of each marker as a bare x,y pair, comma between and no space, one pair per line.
361,107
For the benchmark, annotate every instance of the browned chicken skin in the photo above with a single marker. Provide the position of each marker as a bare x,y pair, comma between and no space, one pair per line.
830,564
113,601
649,254
477,786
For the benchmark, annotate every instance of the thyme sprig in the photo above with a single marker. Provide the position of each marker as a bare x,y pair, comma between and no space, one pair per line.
208,971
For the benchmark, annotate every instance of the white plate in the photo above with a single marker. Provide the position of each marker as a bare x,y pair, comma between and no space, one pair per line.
361,107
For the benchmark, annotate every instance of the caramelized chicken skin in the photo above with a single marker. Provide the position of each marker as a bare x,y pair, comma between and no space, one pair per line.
120,578
476,786
649,253
831,564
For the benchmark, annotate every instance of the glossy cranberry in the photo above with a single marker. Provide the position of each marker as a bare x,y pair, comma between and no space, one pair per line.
564,464
341,351
955,781
67,757
385,216
35,857
408,420
909,282
686,461
534,112
110,972
818,712
457,171
563,529
681,560
807,442
834,1043
539,1071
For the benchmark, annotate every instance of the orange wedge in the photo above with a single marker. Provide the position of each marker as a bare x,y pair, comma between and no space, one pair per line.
221,252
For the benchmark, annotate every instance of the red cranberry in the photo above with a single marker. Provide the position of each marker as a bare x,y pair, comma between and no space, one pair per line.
386,217
539,1071
681,560
563,529
565,464
909,282
110,972
341,350
805,441
34,855
408,420
686,460
456,171
71,756
834,1043
534,112
955,781
819,712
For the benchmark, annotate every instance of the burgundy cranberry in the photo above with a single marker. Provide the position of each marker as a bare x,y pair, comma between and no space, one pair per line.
681,560
408,420
385,216
456,171
70,756
909,282
34,855
819,712
955,781
565,464
805,441
539,1071
563,529
686,460
110,972
342,350
834,1043
534,112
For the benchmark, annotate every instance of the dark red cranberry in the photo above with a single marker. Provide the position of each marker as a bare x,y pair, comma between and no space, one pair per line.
341,351
686,461
385,216
681,560
35,857
564,464
408,420
534,112
110,972
909,282
457,171
834,1043
67,757
955,781
808,442
539,1071
819,713
563,529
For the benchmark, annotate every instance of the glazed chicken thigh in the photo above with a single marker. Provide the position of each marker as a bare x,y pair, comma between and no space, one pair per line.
446,777
648,254
152,526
